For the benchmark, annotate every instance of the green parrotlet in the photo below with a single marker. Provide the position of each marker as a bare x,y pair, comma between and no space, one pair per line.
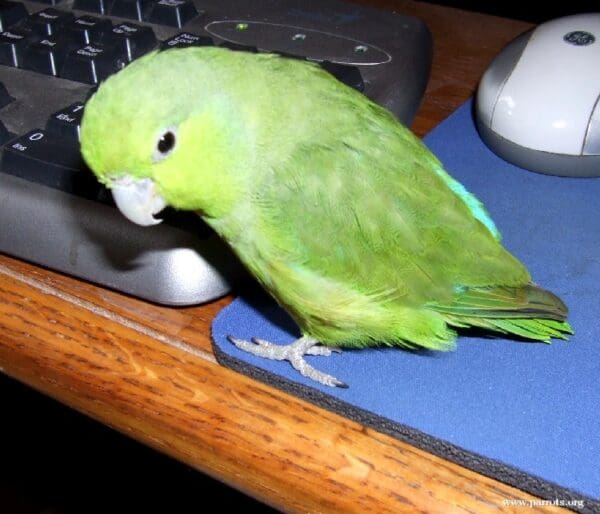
337,209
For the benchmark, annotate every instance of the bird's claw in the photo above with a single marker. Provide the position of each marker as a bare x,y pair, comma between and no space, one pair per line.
294,353
324,351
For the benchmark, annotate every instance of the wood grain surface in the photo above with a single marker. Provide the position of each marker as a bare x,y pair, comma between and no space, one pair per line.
149,372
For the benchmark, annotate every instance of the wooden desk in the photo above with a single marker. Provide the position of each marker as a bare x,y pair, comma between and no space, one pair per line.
149,371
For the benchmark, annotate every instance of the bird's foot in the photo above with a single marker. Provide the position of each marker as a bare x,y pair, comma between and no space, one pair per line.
294,353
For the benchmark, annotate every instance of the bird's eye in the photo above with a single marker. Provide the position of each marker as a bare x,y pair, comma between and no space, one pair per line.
165,144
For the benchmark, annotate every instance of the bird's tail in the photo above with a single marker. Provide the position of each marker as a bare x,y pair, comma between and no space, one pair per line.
527,311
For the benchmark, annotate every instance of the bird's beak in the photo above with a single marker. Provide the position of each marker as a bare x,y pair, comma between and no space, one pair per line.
137,199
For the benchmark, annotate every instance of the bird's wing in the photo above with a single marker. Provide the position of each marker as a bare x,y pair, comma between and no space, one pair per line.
371,210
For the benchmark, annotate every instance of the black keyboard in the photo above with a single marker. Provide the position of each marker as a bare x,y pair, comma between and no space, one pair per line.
53,53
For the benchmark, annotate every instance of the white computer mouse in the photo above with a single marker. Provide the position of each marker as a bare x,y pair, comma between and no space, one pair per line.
538,103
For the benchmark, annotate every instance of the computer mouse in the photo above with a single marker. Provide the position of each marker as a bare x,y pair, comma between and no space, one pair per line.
537,104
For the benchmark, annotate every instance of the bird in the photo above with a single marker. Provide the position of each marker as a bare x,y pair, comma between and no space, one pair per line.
333,205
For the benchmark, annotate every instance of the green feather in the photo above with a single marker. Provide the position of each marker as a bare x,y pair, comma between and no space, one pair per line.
337,209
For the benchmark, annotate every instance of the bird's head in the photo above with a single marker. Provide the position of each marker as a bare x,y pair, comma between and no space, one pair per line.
165,131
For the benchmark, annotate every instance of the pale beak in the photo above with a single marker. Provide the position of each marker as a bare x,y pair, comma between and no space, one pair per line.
137,199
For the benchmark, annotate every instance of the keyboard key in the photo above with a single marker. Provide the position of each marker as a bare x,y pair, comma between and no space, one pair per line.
95,6
349,75
132,9
87,29
11,13
4,134
41,157
13,44
185,39
174,13
66,123
48,21
132,40
92,63
91,92
5,98
45,56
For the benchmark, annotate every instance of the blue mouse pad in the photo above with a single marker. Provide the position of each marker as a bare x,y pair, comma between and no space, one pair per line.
525,413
